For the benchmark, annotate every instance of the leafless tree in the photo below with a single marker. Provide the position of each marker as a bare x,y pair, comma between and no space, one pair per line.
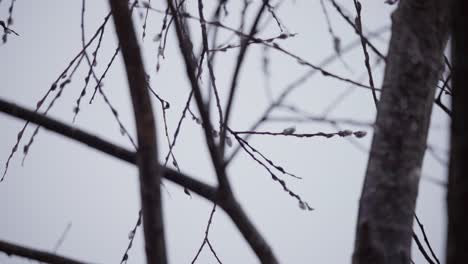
414,71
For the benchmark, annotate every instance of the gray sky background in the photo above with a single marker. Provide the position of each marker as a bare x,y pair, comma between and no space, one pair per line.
63,181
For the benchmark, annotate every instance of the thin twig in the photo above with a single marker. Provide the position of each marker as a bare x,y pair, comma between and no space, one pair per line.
62,237
426,240
190,66
358,23
205,239
295,84
343,133
422,250
240,60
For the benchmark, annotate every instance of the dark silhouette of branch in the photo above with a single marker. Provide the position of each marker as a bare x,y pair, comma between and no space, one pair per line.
457,189
240,60
226,199
101,145
213,251
77,108
164,107
342,133
268,43
30,253
426,240
228,204
177,130
249,150
384,228
205,239
186,49
148,165
358,23
248,231
99,80
75,61
296,83
6,28
131,237
422,250
147,4
67,131
335,39
99,85
206,50
340,11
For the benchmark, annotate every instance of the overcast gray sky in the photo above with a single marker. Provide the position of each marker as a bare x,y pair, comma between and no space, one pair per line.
62,181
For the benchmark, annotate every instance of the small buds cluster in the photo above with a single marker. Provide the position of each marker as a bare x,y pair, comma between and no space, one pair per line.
289,130
197,120
345,133
304,206
360,134
286,35
131,234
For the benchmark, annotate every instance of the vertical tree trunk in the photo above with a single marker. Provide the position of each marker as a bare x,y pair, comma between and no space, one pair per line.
457,193
414,63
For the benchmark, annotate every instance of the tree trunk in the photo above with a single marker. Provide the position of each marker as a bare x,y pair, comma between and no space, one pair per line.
457,193
414,63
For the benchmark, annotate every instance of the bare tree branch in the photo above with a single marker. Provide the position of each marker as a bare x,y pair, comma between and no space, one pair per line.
226,198
150,171
229,204
186,48
240,59
297,82
358,24
12,249
422,250
99,144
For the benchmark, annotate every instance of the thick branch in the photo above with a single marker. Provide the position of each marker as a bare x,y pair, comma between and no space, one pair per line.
42,256
248,231
150,171
414,63
231,206
99,144
67,131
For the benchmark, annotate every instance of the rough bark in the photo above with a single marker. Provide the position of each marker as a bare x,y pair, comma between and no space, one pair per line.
388,199
147,159
457,192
